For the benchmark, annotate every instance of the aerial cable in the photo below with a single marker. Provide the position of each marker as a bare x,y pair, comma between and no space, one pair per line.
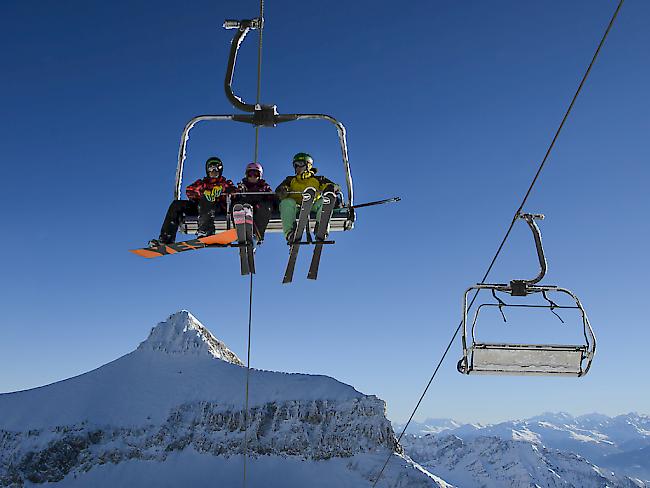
248,369
250,293
512,223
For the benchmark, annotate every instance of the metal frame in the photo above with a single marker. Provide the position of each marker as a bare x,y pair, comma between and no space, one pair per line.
581,355
526,359
182,151
260,116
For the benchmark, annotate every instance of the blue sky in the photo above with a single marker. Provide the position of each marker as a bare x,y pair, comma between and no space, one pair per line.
450,105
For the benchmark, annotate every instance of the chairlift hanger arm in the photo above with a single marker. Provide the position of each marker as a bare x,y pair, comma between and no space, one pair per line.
242,28
530,220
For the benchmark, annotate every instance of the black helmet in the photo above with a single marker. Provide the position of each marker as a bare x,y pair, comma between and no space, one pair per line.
213,161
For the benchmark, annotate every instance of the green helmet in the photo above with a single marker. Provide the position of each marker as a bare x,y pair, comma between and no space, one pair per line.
214,161
304,157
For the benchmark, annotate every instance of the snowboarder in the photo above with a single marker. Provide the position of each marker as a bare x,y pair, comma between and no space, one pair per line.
290,192
206,198
262,204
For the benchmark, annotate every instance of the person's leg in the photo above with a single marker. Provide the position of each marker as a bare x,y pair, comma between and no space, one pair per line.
288,209
173,218
318,208
261,216
206,217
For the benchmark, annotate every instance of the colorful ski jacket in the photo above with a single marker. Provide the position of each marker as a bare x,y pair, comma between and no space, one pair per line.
212,189
260,186
299,183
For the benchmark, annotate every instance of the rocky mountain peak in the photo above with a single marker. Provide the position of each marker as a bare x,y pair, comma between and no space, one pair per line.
182,333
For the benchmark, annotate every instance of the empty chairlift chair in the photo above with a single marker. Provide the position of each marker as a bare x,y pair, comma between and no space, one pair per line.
526,359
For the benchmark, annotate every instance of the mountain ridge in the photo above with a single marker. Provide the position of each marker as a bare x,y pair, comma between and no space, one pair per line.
180,395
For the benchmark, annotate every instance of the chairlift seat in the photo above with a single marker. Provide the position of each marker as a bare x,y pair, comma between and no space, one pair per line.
341,220
527,359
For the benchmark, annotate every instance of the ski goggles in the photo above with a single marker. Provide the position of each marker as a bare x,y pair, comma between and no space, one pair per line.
253,172
215,168
300,164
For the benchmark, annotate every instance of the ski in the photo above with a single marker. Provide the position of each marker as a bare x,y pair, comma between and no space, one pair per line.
239,216
303,219
329,200
248,212
217,240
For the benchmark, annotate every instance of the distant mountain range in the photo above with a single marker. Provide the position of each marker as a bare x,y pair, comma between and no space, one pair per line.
595,449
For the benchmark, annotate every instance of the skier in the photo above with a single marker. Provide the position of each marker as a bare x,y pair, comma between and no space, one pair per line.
262,204
206,197
290,192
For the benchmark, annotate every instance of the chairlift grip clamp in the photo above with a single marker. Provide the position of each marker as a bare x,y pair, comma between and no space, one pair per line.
257,23
527,216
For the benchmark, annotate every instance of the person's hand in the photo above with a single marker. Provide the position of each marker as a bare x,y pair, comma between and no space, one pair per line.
282,193
241,188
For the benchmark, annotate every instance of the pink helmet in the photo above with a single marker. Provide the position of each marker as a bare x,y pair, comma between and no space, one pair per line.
256,167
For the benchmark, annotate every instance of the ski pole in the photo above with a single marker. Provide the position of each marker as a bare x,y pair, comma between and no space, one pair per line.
378,202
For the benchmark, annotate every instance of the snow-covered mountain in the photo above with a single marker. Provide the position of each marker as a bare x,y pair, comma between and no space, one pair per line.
620,444
491,462
171,413
428,426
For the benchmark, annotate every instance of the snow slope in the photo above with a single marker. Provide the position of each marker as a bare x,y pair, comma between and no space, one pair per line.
491,462
176,405
620,444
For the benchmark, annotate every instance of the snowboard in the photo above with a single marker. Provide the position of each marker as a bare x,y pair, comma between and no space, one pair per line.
220,239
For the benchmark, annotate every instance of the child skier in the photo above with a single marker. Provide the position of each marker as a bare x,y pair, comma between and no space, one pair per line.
253,182
290,192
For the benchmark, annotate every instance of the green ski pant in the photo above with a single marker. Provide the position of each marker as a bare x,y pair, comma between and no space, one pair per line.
289,210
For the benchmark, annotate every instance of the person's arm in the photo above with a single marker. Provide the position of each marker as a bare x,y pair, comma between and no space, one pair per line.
241,187
267,189
229,187
283,188
328,185
193,191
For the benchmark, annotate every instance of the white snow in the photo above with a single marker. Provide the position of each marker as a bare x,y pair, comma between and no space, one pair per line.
178,363
171,413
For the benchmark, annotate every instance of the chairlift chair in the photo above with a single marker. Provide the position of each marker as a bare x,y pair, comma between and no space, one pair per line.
260,115
526,359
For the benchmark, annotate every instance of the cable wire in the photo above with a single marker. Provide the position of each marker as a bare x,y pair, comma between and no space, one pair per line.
248,369
512,223
250,249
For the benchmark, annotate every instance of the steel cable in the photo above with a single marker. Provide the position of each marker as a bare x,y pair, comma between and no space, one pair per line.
248,369
250,295
512,223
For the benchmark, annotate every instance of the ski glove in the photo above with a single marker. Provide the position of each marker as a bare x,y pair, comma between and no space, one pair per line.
334,188
282,193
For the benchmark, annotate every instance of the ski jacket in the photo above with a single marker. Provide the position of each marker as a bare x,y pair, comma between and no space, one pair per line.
260,186
299,183
212,189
